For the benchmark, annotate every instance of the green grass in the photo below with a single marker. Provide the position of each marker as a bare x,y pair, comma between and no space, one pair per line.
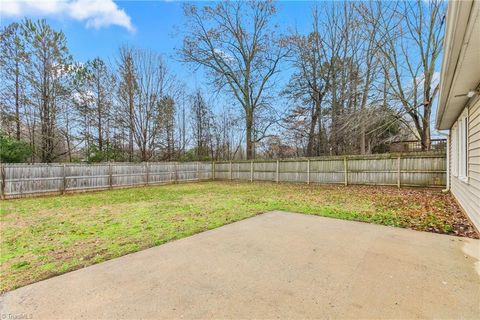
42,237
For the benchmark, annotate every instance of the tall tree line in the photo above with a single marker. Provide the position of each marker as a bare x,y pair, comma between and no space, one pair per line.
125,110
364,74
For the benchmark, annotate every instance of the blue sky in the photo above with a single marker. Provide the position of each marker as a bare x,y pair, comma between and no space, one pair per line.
153,25
97,28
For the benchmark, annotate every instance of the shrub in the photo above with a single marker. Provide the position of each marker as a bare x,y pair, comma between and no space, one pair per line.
12,150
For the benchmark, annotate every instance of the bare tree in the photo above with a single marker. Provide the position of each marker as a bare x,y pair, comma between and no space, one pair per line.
147,89
181,123
100,84
371,65
235,43
338,82
410,38
202,123
310,83
94,99
127,88
50,62
227,135
325,84
166,124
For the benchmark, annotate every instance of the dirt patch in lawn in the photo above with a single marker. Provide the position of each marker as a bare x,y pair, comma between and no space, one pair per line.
42,237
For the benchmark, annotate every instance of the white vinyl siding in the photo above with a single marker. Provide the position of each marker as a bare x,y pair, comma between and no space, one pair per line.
465,157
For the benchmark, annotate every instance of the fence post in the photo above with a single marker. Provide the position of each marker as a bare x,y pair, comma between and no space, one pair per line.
110,177
213,170
399,173
251,171
64,179
345,165
230,169
2,173
308,171
278,171
147,173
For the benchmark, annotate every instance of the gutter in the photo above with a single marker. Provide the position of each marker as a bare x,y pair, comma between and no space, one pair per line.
458,16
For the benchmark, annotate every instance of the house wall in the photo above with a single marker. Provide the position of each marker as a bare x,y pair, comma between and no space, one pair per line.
468,192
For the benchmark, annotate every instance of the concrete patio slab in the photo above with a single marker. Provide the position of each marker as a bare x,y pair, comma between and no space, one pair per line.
275,265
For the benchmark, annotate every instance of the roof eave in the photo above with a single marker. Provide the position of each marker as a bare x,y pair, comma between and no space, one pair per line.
458,13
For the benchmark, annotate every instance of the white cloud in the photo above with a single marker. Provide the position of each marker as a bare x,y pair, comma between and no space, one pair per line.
223,55
434,81
95,13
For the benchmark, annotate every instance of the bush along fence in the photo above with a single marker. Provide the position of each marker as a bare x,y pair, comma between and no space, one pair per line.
422,170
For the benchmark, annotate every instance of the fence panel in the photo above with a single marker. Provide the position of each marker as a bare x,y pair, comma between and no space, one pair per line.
38,179
160,172
186,171
241,170
264,171
222,170
426,171
126,174
327,171
293,171
372,171
87,176
204,170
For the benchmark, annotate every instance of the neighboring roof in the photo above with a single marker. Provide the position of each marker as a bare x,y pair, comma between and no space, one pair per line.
461,60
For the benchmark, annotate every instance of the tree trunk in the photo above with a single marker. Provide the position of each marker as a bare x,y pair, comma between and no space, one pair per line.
249,131
45,115
320,139
67,137
362,137
99,115
130,128
425,138
311,132
144,153
17,99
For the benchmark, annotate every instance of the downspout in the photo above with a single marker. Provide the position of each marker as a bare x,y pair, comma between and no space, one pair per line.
447,189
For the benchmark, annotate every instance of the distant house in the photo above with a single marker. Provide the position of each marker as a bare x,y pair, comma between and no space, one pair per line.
459,105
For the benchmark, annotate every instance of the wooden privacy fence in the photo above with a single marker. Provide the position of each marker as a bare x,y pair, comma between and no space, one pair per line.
35,179
425,170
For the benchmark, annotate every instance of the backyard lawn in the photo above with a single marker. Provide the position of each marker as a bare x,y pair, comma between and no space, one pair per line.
42,237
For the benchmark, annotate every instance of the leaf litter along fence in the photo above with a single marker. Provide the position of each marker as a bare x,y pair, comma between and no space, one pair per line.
422,170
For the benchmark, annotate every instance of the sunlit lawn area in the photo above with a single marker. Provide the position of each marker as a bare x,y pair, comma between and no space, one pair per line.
42,237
